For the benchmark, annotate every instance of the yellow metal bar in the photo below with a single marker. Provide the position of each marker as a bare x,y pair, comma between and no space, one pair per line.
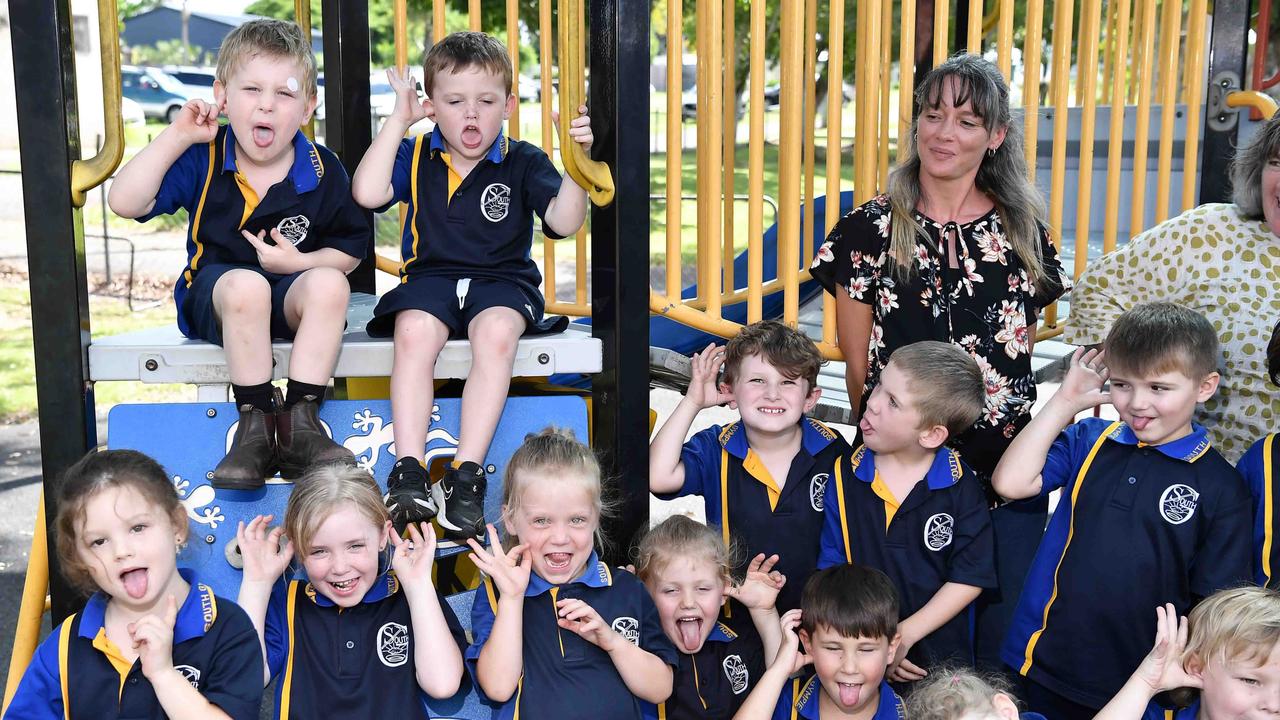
1139,16
675,136
1119,50
755,163
868,113
1192,96
906,75
1170,25
580,266
809,161
710,29
884,70
1252,99
1146,48
386,264
789,155
562,308
1090,17
835,111
437,20
1109,41
1059,90
400,26
1031,84
941,29
35,589
88,174
592,175
473,15
729,141
548,136
687,315
513,51
1004,40
975,26
302,14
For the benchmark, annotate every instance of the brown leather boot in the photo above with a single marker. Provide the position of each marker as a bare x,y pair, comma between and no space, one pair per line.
252,457
303,441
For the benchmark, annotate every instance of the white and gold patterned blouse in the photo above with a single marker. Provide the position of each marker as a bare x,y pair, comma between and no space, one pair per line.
1221,264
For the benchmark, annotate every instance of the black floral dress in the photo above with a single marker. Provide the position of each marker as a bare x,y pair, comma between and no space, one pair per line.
987,306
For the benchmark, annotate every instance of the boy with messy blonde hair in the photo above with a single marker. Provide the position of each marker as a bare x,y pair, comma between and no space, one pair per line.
273,232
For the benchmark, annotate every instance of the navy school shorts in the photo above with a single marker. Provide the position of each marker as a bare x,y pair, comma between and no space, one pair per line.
197,305
456,302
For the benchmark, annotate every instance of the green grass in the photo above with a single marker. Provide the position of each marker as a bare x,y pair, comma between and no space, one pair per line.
108,316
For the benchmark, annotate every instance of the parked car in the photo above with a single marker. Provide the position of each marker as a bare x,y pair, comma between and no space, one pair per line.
159,93
529,89
196,82
131,112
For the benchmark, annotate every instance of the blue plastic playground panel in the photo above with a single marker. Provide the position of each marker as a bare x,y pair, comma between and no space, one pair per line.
189,439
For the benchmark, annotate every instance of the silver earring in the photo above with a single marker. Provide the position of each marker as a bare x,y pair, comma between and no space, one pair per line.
991,152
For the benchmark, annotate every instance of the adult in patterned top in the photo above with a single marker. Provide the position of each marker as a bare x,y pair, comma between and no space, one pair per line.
1223,261
955,251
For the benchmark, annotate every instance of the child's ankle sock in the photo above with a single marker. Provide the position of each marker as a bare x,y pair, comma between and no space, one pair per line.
259,396
298,390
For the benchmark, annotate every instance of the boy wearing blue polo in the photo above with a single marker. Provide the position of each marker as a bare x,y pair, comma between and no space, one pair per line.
1258,466
466,271
905,504
273,232
763,479
848,627
1150,513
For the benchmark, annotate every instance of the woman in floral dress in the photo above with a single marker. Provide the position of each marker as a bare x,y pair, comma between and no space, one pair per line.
955,251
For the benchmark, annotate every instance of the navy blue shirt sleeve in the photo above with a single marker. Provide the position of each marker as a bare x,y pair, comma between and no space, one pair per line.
701,459
276,628
972,559
1222,559
540,185
401,175
831,547
182,183
233,680
39,695
345,226
1066,455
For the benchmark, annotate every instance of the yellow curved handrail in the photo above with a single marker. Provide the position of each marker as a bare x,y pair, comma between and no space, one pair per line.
1261,102
594,176
34,600
88,174
386,264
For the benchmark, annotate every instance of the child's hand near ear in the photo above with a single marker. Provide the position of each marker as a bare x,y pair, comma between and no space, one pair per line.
414,556
264,558
790,655
1082,389
510,570
704,389
759,589
1160,670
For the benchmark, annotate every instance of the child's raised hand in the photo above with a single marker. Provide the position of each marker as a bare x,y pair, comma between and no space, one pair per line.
704,390
1082,387
198,121
759,589
409,109
790,653
579,127
283,258
414,556
264,559
153,639
579,617
1162,668
509,570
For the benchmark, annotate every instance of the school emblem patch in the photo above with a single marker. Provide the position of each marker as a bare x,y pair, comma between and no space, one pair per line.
393,644
495,201
938,531
191,674
818,491
1178,503
628,628
294,229
736,671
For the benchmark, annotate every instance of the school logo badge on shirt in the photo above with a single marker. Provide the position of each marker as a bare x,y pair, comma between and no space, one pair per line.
628,628
1178,503
294,229
191,674
393,644
938,531
818,491
736,671
494,201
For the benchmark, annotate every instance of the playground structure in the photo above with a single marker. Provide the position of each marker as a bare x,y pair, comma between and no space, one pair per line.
1177,83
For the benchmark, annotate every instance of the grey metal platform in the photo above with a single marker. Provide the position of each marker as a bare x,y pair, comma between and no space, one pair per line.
163,355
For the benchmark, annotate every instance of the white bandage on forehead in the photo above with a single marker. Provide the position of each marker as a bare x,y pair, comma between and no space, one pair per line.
292,84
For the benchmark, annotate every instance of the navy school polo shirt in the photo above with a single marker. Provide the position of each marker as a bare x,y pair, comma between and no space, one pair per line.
477,226
214,647
1137,526
714,682
940,533
352,662
1258,466
564,675
745,502
1155,711
311,206
800,698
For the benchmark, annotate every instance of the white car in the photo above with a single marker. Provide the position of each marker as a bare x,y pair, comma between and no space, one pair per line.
196,82
131,112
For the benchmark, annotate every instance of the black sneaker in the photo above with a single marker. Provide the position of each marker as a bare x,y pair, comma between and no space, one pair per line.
460,497
408,498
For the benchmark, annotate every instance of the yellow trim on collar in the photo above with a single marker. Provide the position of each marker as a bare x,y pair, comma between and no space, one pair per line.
122,665
755,467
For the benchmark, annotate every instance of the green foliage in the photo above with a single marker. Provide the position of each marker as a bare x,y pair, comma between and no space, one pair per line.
165,52
126,9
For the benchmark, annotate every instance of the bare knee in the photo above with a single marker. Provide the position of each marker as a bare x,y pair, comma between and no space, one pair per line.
240,293
496,333
323,288
419,334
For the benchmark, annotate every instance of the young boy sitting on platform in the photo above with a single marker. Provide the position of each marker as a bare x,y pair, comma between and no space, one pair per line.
273,232
466,272
1149,513
763,479
905,504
